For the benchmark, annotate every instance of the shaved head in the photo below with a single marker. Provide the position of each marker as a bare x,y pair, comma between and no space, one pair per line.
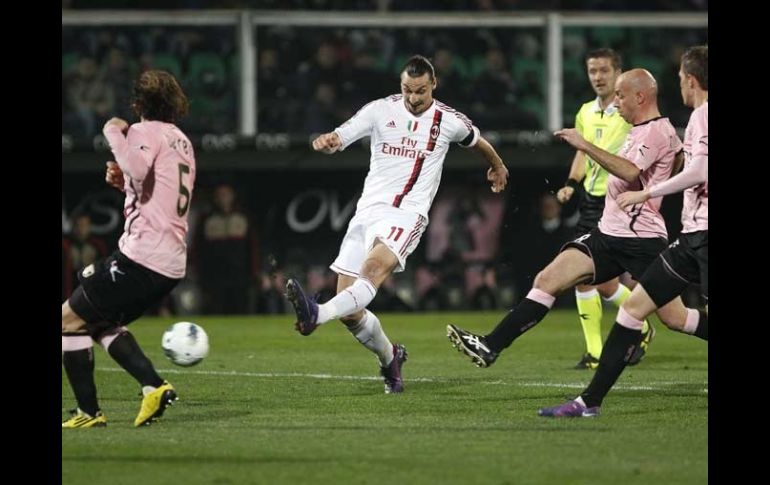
636,96
640,81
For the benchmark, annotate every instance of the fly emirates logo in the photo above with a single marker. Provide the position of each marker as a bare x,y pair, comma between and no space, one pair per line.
408,149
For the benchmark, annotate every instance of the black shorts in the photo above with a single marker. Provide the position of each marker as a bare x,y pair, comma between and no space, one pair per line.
685,262
116,291
591,208
613,256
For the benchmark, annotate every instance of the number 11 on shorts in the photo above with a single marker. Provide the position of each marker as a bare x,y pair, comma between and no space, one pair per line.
393,230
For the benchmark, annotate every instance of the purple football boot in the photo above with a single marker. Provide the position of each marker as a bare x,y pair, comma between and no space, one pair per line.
392,373
305,308
570,409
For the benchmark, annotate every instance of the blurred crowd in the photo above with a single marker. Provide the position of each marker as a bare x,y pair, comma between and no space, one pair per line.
100,64
312,79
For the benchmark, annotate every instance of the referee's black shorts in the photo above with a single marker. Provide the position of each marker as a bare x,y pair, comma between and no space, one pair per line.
591,208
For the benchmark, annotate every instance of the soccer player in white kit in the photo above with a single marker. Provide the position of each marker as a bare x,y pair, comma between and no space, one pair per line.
410,136
156,170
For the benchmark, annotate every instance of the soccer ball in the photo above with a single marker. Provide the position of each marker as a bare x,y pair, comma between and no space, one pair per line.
185,343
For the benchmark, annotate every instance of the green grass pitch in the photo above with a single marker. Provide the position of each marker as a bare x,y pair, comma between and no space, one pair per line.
269,406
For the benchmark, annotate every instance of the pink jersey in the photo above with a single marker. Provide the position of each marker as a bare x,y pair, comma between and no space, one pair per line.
652,147
158,165
695,211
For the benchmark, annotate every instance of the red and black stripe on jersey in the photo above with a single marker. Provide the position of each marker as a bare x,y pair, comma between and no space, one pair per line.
465,120
435,130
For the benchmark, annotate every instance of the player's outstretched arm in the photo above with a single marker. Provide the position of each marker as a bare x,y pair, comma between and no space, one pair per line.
497,173
617,166
327,143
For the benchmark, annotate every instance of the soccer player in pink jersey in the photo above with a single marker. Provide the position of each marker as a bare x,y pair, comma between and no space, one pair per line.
600,123
156,170
625,239
684,262
410,135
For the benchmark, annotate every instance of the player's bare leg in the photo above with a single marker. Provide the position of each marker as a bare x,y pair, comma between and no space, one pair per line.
570,267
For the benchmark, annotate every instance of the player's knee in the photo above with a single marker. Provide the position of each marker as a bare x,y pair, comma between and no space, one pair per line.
371,267
375,270
672,322
634,306
379,263
547,281
106,338
73,327
673,317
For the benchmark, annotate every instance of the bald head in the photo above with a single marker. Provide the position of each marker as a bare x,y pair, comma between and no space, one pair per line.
636,95
640,81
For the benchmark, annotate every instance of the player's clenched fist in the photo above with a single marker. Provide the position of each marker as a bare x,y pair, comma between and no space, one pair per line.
114,176
119,122
327,143
565,194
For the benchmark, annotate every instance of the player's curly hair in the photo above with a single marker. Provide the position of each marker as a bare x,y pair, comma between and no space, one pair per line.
159,97
695,62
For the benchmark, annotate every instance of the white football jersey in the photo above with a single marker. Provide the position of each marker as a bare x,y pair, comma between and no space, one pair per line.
408,151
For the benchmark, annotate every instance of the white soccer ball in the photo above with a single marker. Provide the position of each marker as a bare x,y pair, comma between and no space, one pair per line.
185,343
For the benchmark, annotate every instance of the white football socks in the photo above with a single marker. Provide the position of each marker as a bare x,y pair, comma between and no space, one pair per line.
369,332
352,299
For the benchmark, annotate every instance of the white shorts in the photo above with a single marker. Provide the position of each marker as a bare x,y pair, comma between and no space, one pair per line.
398,229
